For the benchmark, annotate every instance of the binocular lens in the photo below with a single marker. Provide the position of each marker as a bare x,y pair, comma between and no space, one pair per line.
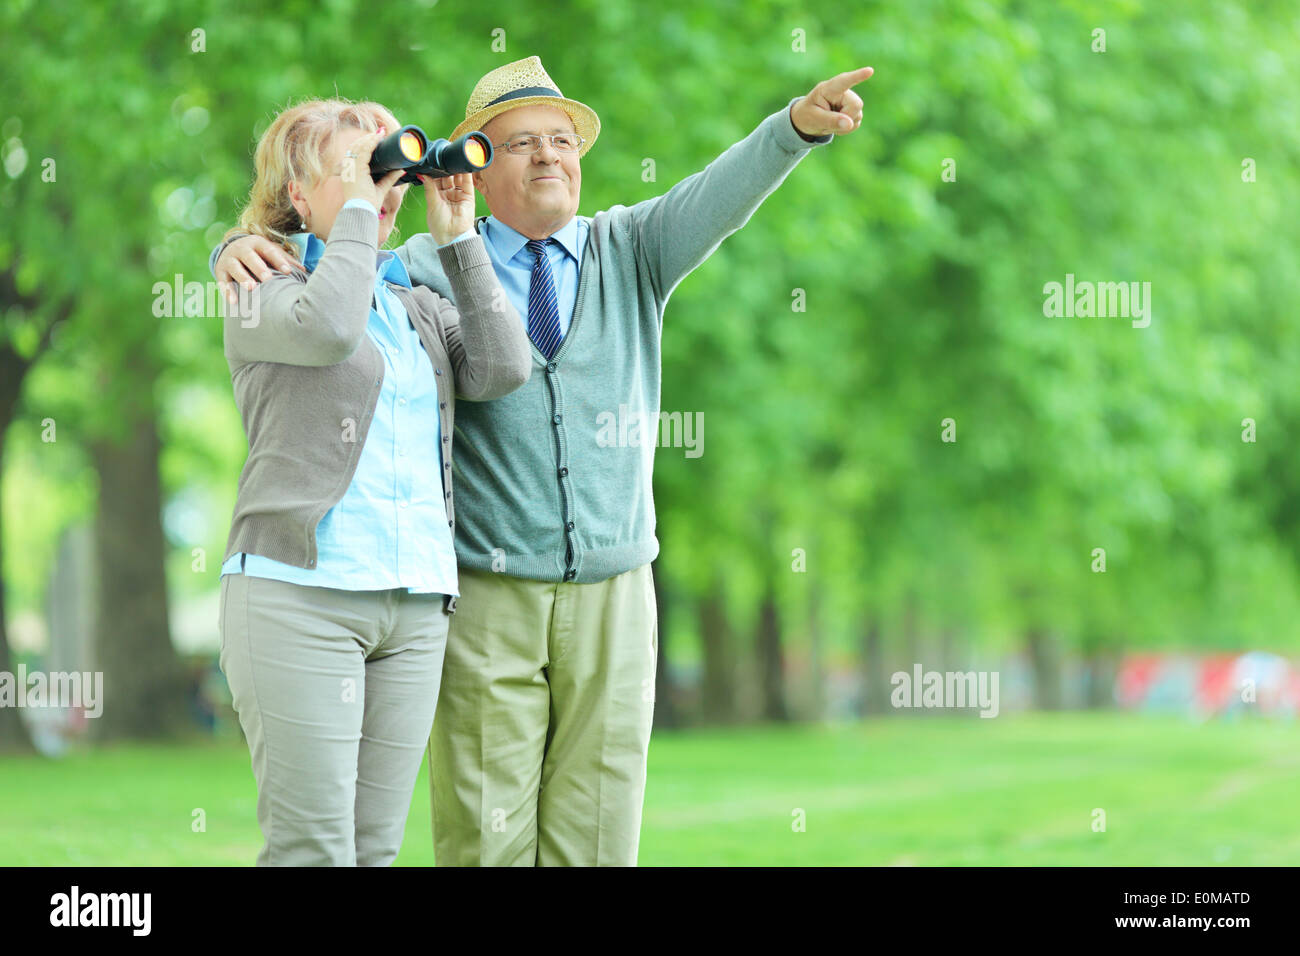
475,153
412,145
400,149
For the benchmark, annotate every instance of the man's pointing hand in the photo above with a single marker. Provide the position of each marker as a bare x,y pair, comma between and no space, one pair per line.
831,107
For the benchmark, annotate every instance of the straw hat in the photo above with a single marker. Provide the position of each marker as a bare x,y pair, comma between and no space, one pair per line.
524,83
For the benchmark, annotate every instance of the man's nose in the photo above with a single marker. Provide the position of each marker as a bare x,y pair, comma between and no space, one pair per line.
547,154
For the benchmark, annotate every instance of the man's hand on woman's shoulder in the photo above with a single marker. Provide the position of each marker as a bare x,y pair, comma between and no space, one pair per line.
249,260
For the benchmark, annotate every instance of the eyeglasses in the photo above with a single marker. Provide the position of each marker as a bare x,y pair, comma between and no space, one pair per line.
527,145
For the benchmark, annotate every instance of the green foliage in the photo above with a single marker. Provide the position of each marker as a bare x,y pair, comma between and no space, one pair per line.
924,297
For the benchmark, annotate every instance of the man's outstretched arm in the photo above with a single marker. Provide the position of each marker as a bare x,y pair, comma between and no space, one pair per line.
680,229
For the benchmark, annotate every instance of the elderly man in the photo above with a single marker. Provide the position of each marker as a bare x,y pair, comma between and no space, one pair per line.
538,752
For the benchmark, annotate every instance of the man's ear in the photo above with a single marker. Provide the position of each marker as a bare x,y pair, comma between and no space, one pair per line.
478,184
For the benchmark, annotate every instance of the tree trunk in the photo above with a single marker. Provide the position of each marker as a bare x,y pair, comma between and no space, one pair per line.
13,369
816,658
875,694
771,666
912,636
665,713
144,685
719,684
1102,666
13,734
947,650
1046,665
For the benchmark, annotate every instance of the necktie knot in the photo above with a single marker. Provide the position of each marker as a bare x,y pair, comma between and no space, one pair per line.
537,246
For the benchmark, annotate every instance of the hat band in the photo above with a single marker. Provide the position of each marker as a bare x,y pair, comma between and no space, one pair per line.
526,91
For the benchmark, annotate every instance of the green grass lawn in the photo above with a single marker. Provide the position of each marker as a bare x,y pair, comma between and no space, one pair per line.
1020,789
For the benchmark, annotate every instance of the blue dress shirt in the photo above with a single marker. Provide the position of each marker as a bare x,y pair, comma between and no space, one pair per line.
389,530
514,263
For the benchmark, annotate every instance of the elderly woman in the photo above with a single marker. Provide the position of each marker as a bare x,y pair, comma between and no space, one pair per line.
339,573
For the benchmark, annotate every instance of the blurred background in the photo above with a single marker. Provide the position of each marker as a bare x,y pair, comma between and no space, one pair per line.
901,460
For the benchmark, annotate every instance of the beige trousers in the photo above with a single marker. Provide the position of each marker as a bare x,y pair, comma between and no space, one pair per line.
538,753
335,691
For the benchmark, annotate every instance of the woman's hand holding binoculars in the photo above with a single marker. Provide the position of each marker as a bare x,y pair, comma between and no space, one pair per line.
449,204
355,171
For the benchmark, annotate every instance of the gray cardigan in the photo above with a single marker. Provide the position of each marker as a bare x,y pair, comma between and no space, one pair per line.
549,490
307,377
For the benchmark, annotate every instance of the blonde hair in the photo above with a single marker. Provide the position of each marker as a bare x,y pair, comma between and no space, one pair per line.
293,149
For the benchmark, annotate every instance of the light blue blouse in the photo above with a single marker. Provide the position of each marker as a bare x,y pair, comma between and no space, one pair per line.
389,530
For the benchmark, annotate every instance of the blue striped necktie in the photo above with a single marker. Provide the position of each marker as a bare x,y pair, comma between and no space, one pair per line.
543,305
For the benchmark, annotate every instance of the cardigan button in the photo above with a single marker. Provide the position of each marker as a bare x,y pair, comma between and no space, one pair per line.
550,366
443,405
556,419
570,575
564,472
570,526
437,371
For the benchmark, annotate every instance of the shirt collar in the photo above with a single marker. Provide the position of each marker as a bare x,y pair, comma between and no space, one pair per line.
388,266
508,241
310,249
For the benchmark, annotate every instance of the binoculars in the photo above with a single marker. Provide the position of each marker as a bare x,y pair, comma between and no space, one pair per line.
410,149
